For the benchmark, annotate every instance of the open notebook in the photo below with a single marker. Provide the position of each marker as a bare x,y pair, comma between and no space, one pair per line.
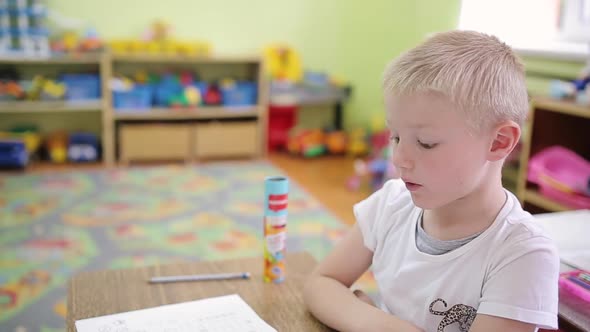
217,314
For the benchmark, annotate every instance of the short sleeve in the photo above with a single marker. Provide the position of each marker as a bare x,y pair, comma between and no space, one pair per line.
523,283
370,212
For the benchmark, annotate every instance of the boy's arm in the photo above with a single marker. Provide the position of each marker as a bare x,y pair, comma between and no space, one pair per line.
328,297
487,323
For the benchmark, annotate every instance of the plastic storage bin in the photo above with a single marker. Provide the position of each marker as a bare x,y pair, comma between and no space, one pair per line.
138,98
81,86
239,94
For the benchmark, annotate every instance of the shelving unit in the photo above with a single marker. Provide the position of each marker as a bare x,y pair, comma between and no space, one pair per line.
230,122
49,106
38,110
201,132
205,112
91,58
552,122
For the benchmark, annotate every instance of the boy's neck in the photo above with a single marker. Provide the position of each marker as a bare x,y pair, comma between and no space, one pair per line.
469,215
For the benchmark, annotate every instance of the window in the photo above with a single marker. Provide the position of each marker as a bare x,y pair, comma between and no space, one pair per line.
558,28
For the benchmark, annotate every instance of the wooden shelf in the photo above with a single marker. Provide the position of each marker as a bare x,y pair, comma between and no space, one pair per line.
50,106
207,112
147,58
539,200
562,106
93,58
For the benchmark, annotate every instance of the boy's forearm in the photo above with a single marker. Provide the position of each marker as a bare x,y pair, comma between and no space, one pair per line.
336,306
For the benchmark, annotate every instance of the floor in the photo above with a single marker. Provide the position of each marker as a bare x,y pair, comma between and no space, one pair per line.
325,178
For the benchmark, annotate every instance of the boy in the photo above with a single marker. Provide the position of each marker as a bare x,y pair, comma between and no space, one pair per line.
450,248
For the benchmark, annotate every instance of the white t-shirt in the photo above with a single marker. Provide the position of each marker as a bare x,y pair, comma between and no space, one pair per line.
510,270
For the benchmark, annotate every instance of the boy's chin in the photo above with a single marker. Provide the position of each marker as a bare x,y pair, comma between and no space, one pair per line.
427,204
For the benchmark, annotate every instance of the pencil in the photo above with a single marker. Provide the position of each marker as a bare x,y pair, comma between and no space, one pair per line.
200,277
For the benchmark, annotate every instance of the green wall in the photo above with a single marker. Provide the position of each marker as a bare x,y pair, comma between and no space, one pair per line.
350,39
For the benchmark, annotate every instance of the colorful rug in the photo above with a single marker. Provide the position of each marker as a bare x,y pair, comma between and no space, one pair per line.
53,225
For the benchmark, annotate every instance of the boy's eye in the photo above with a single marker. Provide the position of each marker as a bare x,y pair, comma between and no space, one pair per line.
394,138
427,146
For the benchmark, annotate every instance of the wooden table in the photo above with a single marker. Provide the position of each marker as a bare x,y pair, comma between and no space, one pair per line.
92,294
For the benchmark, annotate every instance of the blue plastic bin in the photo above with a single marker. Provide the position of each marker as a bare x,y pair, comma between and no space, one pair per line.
13,153
81,86
239,94
138,98
165,90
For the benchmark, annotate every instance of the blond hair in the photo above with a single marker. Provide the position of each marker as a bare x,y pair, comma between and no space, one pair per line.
480,74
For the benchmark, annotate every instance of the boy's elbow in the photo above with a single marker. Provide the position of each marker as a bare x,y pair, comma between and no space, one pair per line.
310,290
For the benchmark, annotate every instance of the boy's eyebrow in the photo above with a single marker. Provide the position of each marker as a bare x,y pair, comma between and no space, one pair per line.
415,126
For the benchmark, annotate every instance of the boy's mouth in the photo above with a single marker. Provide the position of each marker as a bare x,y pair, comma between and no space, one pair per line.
412,186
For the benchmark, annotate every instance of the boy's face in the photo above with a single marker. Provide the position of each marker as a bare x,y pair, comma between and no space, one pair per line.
435,153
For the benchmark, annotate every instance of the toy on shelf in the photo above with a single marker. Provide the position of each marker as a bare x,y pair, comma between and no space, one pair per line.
29,134
283,63
578,89
336,142
72,87
378,167
357,142
18,146
83,147
70,41
179,90
56,144
41,88
213,95
11,90
378,170
307,142
158,40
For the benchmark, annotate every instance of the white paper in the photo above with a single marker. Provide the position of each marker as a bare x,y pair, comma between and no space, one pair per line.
569,230
580,259
218,314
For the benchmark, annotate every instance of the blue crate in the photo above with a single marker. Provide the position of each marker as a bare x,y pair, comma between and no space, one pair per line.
239,94
81,86
138,98
166,90
13,153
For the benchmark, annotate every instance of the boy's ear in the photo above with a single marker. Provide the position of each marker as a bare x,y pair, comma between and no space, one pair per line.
504,139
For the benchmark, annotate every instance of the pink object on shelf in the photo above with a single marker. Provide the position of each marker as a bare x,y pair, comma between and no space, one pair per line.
562,175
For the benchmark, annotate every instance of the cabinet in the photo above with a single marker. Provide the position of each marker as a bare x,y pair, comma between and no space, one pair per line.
88,115
551,122
201,132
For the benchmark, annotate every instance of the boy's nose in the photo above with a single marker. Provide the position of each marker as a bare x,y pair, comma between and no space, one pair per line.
400,157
